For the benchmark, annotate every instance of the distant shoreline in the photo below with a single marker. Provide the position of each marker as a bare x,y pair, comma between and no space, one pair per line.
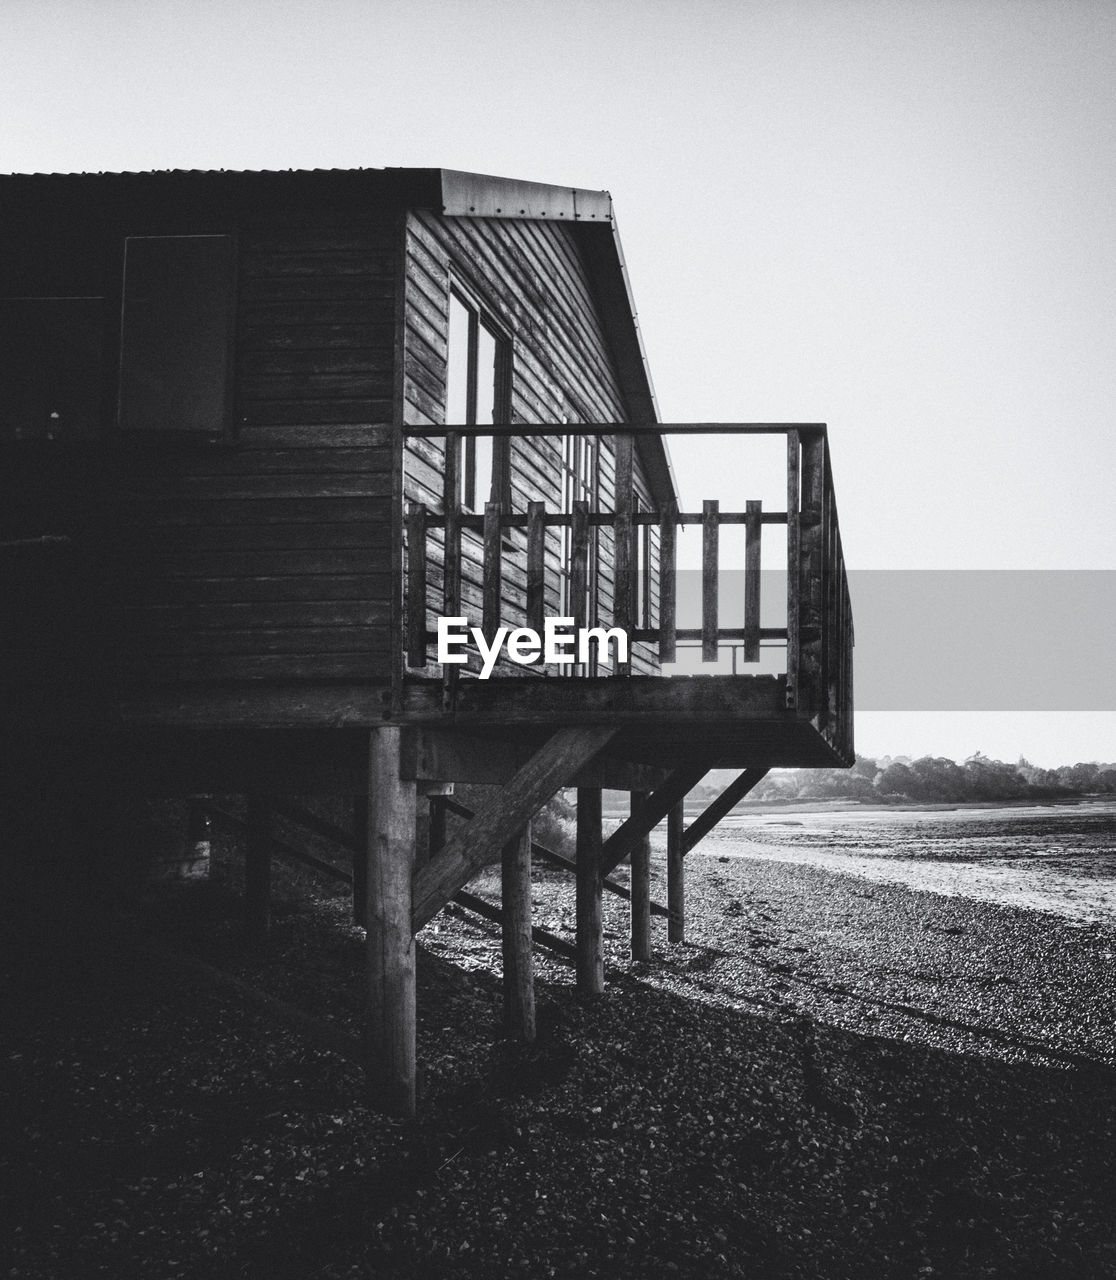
747,807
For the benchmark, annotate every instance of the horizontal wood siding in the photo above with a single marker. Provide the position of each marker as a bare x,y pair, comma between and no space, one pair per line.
259,563
315,324
270,560
531,279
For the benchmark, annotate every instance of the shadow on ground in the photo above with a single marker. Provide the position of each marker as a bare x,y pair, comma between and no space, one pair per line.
152,1126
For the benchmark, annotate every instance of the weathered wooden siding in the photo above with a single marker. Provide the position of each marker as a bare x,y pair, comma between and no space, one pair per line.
531,279
265,562
269,560
315,330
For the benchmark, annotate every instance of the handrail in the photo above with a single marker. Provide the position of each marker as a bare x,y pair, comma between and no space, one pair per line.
504,430
818,632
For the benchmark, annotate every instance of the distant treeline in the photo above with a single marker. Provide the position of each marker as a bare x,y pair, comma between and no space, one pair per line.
894,779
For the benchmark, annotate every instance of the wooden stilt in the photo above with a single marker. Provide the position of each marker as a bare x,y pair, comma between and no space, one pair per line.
519,966
676,885
257,869
590,923
391,943
360,859
641,888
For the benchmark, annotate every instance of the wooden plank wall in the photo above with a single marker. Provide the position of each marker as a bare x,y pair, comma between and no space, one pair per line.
530,277
269,561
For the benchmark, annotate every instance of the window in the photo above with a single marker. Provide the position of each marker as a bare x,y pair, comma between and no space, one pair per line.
176,334
476,395
52,371
642,538
580,483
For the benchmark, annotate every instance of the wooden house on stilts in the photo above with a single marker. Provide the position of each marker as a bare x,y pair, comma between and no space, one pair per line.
261,431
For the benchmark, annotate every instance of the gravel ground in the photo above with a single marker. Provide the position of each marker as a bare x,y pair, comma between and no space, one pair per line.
832,1078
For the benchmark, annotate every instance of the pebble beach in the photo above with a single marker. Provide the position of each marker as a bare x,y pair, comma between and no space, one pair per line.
837,1075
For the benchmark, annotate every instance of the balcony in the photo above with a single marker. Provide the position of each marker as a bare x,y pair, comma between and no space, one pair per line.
501,568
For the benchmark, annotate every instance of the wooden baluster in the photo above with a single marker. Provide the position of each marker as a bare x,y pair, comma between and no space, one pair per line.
668,586
536,564
416,585
579,560
491,578
623,604
752,531
709,584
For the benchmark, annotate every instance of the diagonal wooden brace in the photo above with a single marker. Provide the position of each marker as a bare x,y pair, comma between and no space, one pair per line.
560,860
653,810
724,804
513,806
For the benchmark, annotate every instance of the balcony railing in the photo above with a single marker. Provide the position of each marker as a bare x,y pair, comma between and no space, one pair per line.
818,634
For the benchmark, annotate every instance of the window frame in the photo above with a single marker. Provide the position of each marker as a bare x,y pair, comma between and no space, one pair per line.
469,497
225,426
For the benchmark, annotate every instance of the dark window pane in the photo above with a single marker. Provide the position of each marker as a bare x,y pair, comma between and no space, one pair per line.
176,333
51,368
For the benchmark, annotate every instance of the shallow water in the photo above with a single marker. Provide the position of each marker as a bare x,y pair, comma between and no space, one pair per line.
1059,858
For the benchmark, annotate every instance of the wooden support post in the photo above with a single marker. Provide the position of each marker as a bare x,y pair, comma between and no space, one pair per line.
676,884
391,942
590,921
360,859
519,967
641,888
257,869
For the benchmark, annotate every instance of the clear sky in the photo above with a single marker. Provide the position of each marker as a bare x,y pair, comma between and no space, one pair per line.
897,218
